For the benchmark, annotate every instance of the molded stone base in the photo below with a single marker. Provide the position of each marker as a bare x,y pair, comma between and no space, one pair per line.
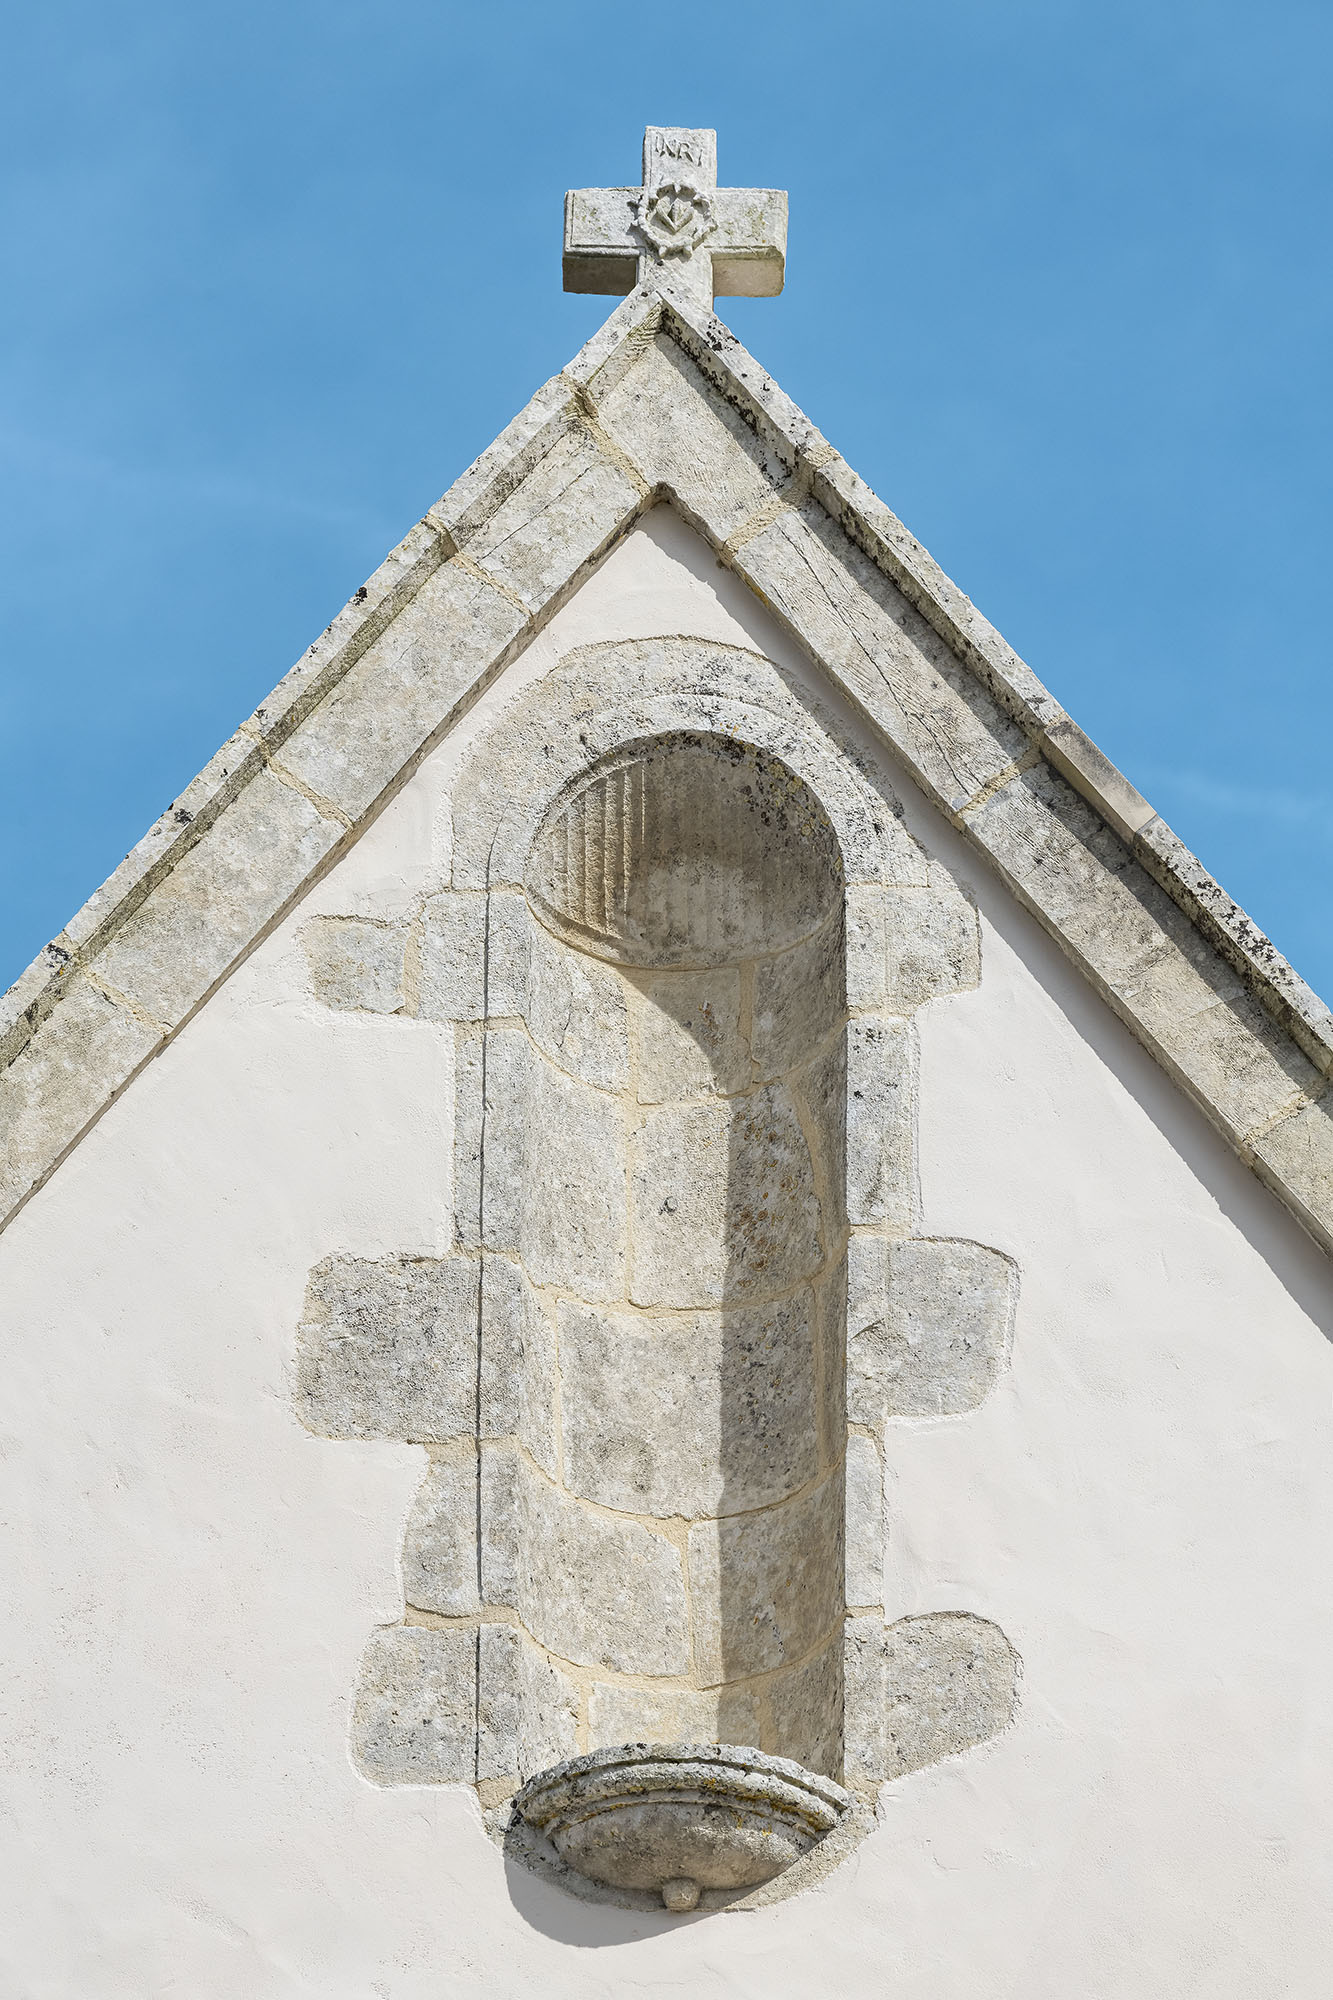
676,1821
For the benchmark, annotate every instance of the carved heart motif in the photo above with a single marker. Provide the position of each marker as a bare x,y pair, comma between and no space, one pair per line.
674,217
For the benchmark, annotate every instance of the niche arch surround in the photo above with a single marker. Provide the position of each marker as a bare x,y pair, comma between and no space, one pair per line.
684,937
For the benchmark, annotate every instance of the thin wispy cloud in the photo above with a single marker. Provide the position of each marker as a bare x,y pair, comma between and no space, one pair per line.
1311,811
43,457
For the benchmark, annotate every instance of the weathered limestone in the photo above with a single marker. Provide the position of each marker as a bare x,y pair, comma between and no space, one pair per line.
218,898
1191,1008
765,1586
690,1415
833,598
679,1817
492,1074
681,410
576,1014
412,1719
929,1687
690,1042
724,1202
573,504
573,1229
594,1588
696,851
356,963
798,999
679,229
661,414
527,1709
866,1525
1296,1156
808,1708
621,1713
933,943
656,1515
517,1375
880,1189
389,1350
943,1311
89,1051
403,689
441,1570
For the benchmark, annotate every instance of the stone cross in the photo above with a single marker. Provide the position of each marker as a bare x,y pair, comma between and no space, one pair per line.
680,231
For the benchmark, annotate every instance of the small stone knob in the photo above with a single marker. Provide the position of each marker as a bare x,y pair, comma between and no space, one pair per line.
680,1894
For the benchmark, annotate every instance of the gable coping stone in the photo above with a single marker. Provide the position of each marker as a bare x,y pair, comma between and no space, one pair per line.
517,533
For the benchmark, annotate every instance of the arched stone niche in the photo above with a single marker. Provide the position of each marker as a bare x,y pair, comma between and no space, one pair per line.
681,948
686,1122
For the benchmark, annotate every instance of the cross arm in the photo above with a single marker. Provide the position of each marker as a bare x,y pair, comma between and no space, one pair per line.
748,247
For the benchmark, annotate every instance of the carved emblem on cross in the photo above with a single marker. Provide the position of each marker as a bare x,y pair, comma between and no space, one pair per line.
679,231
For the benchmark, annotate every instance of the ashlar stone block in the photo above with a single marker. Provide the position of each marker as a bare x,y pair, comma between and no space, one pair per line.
933,943
218,898
403,689
821,1090
940,1334
951,1681
864,1477
953,736
593,1588
619,1712
683,438
356,963
85,1051
527,1710
724,1202
690,1044
413,1717
881,1190
696,1414
766,1587
1298,1155
572,1186
577,1013
807,1706
570,506
600,1591
475,950
440,1541
517,1361
799,998
923,1689
1191,1008
866,909
389,1349
493,1078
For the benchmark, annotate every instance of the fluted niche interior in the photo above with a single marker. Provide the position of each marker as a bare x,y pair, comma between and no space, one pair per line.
683,1227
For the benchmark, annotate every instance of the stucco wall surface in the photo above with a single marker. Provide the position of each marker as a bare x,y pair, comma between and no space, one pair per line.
1144,1504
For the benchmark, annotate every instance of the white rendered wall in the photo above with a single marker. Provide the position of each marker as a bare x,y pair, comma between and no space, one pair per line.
1145,1505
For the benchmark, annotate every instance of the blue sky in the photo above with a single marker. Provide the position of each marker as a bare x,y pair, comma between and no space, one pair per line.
1059,287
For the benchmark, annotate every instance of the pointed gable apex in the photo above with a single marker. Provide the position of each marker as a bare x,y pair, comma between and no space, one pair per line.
663,404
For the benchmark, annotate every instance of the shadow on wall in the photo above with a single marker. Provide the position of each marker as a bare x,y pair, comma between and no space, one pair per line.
711,877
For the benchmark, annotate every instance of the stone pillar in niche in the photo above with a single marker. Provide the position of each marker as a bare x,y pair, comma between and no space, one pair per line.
684,1227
